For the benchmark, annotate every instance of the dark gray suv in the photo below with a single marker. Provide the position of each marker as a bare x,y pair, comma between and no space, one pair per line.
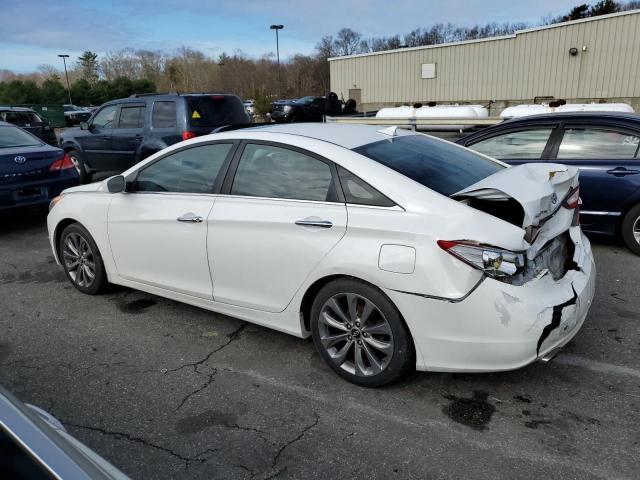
122,132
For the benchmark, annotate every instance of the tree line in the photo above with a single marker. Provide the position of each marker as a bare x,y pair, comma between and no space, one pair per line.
95,80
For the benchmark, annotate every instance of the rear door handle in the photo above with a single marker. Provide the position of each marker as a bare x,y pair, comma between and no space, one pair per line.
314,223
622,171
190,217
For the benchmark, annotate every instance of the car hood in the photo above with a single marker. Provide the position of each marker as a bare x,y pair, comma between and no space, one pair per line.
89,187
540,189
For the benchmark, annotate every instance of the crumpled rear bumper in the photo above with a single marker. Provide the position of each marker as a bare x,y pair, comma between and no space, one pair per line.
501,326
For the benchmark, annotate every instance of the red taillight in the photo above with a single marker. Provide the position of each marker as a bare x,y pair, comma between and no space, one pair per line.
494,261
186,135
217,97
572,199
62,164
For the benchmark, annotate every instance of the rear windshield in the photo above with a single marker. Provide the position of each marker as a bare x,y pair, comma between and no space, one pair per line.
215,110
438,165
16,137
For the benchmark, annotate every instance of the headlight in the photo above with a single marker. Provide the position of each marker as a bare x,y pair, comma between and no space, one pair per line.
286,108
54,201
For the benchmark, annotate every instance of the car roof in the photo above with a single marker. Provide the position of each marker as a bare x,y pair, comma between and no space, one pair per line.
347,136
16,109
582,116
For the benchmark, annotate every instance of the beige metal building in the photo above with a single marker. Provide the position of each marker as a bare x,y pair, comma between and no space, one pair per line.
590,60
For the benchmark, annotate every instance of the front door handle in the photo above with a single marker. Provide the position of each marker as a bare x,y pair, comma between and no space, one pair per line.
622,171
314,223
190,217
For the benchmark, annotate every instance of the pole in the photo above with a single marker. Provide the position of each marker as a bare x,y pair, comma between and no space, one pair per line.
276,28
64,61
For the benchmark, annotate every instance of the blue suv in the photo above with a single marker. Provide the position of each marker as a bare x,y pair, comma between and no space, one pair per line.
603,145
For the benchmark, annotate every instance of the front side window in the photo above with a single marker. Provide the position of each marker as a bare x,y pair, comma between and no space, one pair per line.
578,143
105,118
163,115
193,170
525,144
131,117
436,164
274,172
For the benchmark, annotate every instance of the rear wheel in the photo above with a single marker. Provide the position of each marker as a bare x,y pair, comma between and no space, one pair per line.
360,333
78,163
631,229
81,260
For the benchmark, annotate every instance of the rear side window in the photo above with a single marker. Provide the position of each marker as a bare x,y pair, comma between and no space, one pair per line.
436,164
525,144
16,137
274,172
358,192
215,110
32,117
131,117
164,115
193,170
578,143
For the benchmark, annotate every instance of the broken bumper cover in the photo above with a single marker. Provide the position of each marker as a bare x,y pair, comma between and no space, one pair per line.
500,326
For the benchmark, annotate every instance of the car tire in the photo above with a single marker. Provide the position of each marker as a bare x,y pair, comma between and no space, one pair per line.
631,229
81,260
81,168
360,333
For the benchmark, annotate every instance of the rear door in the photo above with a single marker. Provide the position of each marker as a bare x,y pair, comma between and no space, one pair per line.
518,145
127,135
96,141
281,214
609,167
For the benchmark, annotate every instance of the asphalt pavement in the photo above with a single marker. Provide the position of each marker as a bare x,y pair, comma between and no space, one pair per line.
165,390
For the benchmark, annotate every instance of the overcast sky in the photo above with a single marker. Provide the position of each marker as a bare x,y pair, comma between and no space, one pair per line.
33,31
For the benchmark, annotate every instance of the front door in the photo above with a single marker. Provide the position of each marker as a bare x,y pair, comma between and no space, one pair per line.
127,136
96,141
158,231
280,216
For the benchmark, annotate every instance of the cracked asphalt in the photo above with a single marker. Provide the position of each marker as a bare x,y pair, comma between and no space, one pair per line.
164,390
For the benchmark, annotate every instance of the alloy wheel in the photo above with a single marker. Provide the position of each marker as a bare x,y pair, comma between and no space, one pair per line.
636,230
76,163
355,334
79,259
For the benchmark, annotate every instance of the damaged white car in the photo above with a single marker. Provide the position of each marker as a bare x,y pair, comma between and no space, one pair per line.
392,249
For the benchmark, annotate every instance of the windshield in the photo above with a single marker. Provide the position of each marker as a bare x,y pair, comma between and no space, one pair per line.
305,100
436,164
16,137
216,110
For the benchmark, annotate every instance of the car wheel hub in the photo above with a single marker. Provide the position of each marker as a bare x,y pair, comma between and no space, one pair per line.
355,334
78,260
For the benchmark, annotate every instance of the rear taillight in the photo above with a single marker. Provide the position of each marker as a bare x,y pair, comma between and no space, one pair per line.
186,135
572,200
493,261
63,163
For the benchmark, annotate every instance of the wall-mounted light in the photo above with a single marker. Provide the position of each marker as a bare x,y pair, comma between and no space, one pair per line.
584,48
573,51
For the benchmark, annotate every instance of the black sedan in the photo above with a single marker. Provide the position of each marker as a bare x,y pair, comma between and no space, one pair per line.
603,145
31,172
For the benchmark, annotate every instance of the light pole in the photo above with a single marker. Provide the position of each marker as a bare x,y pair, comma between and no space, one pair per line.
64,60
276,28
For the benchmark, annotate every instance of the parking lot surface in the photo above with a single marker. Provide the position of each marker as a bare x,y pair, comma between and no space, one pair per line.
165,390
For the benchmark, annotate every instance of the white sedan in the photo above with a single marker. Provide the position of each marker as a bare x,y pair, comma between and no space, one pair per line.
393,249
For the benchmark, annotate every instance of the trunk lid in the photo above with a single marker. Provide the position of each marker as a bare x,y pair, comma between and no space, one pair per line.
28,164
529,196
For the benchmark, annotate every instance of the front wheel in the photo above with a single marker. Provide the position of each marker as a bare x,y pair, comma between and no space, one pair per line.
81,260
360,333
631,229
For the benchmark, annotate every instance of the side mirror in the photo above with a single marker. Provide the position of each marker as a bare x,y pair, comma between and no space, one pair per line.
84,126
117,184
